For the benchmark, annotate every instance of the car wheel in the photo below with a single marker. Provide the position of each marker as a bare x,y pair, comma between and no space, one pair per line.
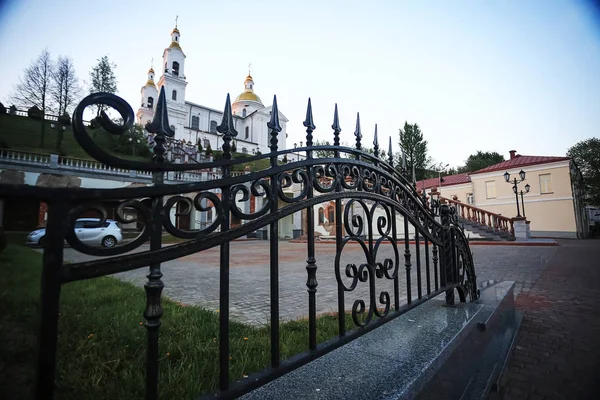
109,241
42,241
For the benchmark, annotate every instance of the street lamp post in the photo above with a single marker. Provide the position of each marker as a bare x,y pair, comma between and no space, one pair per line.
133,144
527,187
515,189
440,175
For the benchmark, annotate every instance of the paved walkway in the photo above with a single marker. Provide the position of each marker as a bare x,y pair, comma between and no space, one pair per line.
557,354
194,279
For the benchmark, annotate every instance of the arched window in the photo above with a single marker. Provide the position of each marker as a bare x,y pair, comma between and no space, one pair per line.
175,68
321,216
213,126
166,67
206,143
150,102
331,215
244,113
195,122
244,150
247,131
174,95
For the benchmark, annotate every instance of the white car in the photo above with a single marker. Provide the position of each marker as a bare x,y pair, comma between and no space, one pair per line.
88,231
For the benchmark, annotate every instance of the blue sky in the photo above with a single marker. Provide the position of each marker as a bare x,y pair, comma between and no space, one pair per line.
475,75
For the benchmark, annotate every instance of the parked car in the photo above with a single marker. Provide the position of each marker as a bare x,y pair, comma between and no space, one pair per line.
88,231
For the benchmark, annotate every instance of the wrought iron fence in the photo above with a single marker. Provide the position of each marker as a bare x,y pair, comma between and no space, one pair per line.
374,205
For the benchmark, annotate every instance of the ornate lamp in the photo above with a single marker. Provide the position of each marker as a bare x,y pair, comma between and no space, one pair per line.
522,175
507,176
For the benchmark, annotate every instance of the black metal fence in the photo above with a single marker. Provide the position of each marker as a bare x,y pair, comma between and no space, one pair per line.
375,204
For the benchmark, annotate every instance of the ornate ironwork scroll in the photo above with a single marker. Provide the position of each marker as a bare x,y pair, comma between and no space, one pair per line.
375,210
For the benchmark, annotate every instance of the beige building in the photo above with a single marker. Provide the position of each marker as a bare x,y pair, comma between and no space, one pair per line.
552,205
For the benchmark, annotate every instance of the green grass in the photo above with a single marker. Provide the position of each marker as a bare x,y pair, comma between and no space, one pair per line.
102,339
23,133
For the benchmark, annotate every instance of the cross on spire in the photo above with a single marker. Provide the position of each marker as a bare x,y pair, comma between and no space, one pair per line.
249,68
176,18
152,63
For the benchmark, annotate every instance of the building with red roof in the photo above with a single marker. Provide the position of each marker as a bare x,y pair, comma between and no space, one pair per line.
551,199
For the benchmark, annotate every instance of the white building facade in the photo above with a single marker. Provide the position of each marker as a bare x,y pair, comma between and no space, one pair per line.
195,123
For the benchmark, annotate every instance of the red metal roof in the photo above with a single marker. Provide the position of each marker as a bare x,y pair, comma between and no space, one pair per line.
446,181
520,161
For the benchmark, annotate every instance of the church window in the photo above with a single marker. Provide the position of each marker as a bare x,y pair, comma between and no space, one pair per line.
244,113
195,122
174,95
244,150
166,69
206,143
175,68
150,102
213,126
247,132
321,216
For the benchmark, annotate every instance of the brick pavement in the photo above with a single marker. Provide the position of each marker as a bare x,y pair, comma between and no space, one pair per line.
557,353
194,279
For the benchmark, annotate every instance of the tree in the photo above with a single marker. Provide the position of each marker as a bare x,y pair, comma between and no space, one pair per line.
103,79
586,155
65,86
481,160
33,88
415,148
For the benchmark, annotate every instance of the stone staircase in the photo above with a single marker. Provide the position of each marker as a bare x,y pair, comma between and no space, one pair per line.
480,224
476,231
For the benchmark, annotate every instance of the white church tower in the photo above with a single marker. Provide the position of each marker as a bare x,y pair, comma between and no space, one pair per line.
149,97
174,82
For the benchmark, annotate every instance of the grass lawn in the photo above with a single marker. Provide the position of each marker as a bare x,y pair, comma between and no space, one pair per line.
102,340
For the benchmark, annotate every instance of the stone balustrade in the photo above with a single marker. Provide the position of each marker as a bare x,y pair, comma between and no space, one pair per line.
494,222
59,163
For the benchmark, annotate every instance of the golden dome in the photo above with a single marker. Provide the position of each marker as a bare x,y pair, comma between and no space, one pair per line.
175,30
175,45
248,96
151,71
150,83
249,78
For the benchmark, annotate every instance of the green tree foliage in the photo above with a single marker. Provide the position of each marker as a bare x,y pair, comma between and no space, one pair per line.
322,153
586,155
209,149
103,79
415,147
132,141
481,160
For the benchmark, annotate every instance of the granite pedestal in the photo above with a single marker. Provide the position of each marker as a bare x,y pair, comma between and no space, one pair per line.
431,351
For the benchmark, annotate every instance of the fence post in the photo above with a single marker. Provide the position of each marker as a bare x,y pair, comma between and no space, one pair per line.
447,259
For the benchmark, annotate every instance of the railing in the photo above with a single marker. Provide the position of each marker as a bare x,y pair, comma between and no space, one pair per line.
373,204
485,219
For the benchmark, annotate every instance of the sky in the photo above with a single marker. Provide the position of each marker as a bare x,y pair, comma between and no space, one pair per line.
494,75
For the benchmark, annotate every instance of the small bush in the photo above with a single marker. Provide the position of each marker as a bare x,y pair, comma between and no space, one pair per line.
35,113
64,119
2,109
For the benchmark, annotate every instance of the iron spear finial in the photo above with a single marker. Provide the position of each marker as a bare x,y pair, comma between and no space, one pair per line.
357,132
227,129
376,143
336,127
309,124
273,124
